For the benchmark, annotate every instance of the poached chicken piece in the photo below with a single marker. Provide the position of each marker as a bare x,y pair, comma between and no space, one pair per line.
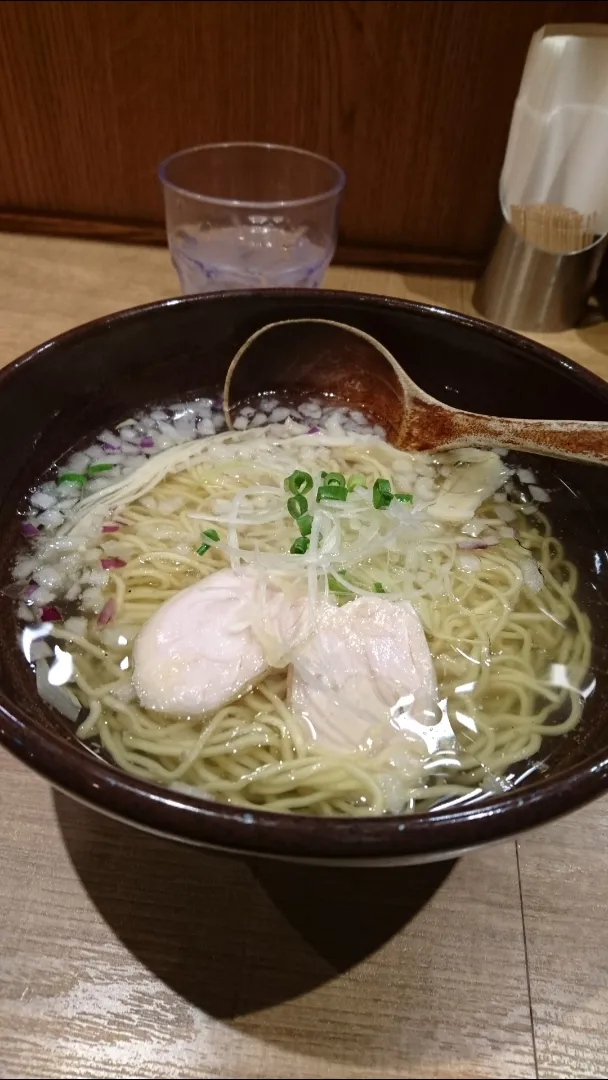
198,651
366,673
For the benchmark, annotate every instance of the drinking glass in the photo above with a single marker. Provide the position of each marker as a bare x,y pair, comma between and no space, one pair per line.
250,215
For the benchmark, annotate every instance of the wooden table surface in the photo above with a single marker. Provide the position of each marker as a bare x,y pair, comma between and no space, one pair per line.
122,955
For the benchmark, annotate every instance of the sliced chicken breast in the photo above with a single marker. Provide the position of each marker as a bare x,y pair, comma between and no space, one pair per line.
365,674
198,651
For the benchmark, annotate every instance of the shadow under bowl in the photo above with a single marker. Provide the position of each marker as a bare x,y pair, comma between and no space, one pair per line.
95,375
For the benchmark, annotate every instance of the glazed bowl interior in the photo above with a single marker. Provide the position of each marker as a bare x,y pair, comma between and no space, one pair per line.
98,374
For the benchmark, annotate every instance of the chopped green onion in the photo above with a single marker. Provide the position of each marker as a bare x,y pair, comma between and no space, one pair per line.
323,474
334,479
379,587
299,483
92,469
72,478
404,497
336,586
297,505
304,524
213,535
356,480
300,546
382,495
338,494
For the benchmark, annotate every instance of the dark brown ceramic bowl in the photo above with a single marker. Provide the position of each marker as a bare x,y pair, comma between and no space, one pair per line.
87,379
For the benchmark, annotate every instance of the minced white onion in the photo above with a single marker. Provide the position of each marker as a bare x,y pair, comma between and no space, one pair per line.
125,693
59,697
41,501
526,476
531,575
42,596
474,527
506,511
50,519
471,563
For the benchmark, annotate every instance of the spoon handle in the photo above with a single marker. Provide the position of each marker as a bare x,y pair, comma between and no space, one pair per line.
429,425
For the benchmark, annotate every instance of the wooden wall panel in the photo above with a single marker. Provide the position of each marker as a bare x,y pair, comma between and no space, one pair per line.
412,98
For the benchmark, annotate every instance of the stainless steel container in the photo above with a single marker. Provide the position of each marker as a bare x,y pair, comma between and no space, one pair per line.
527,289
553,187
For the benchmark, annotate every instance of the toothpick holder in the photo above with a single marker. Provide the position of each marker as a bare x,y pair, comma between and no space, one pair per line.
524,288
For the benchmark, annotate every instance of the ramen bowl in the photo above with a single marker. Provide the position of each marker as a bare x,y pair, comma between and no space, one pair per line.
91,378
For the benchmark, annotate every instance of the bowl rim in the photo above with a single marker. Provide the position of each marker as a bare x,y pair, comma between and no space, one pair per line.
332,192
204,822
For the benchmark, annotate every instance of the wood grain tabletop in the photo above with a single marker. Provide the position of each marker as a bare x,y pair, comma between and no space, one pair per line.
122,955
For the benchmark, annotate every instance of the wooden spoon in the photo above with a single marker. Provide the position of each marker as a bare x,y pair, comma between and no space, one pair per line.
313,357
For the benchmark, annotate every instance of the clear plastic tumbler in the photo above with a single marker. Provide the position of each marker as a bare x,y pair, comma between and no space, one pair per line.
250,215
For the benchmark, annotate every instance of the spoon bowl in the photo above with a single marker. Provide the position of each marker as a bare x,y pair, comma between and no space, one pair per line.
332,359
317,357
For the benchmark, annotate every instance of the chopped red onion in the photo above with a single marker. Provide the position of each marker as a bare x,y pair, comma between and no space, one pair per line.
478,542
314,430
110,528
109,441
50,614
29,530
112,564
31,589
107,612
147,443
